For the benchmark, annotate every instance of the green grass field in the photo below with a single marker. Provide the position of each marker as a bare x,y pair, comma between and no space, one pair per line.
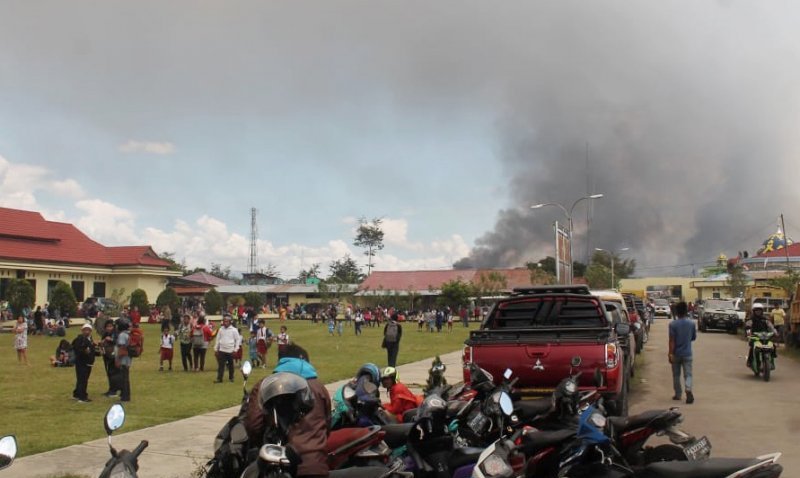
39,410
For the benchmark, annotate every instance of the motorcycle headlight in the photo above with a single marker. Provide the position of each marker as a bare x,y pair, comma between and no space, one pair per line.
570,387
506,405
496,466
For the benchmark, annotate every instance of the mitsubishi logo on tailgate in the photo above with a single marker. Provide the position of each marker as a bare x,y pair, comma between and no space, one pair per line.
538,365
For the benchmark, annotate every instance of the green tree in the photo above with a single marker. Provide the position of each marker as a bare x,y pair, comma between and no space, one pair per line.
236,300
598,276
213,300
120,298
254,300
345,271
173,264
623,268
369,236
63,298
311,272
579,269
222,272
455,293
169,298
20,294
489,284
539,275
788,282
139,299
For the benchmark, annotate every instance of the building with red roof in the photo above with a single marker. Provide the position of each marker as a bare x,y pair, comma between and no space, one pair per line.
46,252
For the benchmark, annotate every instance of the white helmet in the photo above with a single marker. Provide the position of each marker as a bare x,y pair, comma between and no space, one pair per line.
758,305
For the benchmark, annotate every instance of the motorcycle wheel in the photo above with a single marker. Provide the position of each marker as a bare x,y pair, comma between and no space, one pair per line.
765,368
668,452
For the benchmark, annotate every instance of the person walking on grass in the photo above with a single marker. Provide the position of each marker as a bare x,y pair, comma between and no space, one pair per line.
185,340
392,332
21,340
165,352
226,345
682,333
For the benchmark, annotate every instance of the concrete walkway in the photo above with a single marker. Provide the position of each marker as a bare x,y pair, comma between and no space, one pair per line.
178,448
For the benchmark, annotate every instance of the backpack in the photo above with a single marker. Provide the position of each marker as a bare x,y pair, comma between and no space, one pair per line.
135,343
198,339
391,332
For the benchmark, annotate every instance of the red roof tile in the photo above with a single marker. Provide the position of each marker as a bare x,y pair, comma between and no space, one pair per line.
206,278
794,251
27,236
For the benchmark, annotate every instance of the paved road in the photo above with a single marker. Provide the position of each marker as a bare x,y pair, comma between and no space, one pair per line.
178,448
741,414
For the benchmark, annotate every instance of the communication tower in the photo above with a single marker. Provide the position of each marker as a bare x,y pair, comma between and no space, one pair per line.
252,266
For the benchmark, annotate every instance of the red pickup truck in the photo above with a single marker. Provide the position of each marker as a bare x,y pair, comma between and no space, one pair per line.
537,332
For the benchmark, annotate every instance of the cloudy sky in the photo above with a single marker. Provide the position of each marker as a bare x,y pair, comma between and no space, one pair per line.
163,123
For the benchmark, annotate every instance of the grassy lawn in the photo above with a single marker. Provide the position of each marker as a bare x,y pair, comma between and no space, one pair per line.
39,410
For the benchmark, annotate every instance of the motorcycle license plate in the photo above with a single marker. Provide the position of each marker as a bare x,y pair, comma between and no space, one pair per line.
699,449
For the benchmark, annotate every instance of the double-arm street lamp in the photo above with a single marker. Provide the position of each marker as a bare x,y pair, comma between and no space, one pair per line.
568,213
611,255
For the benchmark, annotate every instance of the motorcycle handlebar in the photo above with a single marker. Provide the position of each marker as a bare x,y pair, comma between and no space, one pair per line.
139,449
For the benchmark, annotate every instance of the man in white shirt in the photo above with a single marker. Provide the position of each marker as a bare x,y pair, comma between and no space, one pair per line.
227,342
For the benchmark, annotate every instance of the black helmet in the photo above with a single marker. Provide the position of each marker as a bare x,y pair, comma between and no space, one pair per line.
285,397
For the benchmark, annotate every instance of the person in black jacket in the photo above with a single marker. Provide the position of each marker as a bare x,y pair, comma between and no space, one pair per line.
84,359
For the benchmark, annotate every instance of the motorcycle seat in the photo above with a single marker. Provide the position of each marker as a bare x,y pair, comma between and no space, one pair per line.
621,424
528,409
396,434
345,438
463,456
709,468
537,441
360,472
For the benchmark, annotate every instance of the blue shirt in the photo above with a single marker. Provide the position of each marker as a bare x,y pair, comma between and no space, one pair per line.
683,332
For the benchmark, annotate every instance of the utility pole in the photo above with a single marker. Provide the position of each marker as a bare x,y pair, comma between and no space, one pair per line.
252,265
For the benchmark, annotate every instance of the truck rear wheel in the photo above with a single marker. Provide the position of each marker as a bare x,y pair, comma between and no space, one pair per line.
619,404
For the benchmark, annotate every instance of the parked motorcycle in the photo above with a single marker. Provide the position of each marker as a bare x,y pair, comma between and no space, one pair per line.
231,453
123,463
763,360
8,451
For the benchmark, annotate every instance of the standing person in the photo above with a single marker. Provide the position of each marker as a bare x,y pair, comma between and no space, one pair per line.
185,340
38,320
108,340
199,344
123,361
778,320
21,340
226,345
358,321
368,317
283,341
449,321
136,316
682,333
166,319
165,352
392,332
84,360
263,339
252,346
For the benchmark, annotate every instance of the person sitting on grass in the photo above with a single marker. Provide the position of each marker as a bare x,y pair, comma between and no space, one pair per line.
64,356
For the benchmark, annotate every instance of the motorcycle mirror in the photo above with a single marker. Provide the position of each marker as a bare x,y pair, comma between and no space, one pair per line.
622,328
598,378
115,417
8,451
506,405
507,374
576,361
247,369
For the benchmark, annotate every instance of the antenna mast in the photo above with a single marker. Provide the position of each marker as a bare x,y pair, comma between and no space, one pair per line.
252,266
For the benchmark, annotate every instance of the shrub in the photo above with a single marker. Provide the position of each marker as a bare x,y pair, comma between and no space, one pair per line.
254,300
169,298
236,300
20,294
139,299
213,301
63,299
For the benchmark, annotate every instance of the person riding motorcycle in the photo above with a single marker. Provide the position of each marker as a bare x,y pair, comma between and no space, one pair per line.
356,402
308,435
401,398
758,323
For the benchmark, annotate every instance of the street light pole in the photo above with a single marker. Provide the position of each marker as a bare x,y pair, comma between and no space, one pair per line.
611,255
568,213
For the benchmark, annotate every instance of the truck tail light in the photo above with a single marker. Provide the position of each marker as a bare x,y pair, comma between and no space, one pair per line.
611,355
466,356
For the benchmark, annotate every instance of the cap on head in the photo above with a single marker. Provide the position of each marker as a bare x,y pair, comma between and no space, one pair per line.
86,326
758,306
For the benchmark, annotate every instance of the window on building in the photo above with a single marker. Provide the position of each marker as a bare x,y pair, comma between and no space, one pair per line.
99,289
77,288
4,288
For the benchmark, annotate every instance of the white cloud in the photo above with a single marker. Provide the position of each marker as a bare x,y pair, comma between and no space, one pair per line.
208,240
149,147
